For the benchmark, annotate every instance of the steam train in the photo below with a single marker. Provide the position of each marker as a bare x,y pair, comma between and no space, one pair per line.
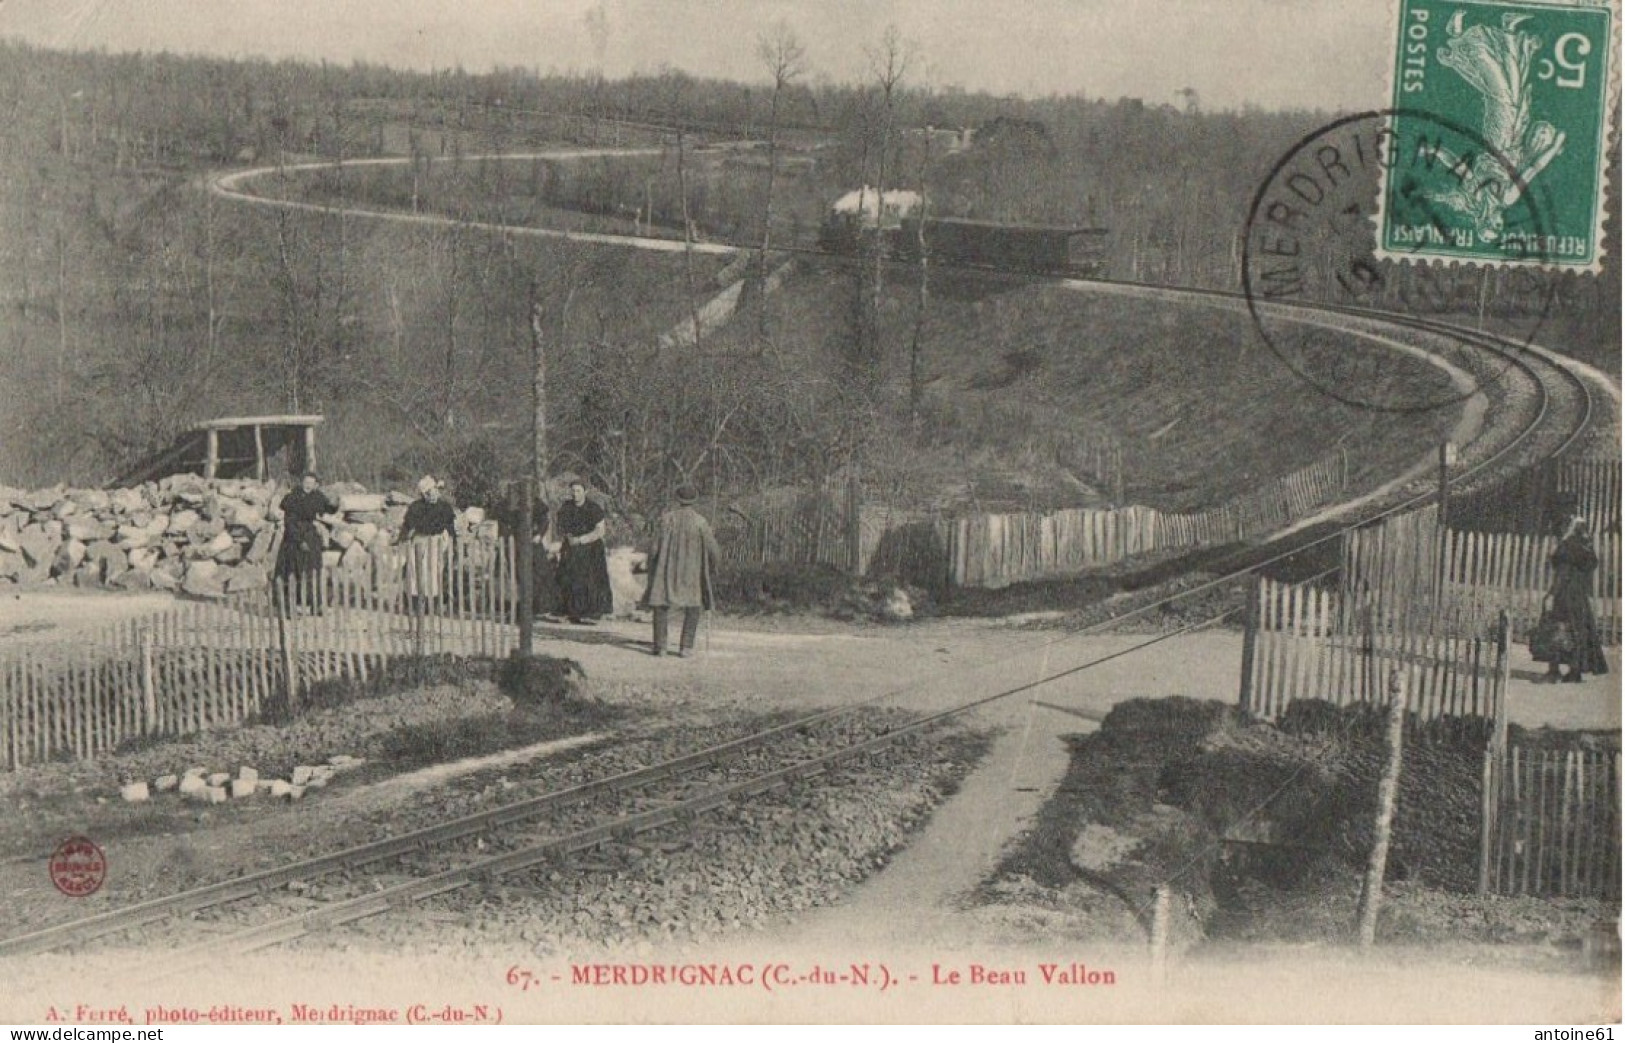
961,242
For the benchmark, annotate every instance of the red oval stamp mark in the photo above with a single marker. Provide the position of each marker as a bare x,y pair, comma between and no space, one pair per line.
78,867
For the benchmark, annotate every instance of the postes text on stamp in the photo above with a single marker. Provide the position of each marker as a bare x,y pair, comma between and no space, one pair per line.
1520,96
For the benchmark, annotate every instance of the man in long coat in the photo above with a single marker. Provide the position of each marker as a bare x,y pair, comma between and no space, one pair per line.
681,567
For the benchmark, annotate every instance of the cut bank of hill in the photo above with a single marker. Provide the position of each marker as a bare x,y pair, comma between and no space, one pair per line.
1018,373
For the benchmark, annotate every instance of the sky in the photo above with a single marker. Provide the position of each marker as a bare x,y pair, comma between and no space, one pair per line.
1325,54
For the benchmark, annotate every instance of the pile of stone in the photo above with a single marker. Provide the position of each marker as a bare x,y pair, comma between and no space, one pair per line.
217,787
207,538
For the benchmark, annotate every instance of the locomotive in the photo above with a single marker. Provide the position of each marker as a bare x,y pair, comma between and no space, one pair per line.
962,242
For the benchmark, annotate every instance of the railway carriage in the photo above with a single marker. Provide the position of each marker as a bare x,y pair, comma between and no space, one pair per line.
954,241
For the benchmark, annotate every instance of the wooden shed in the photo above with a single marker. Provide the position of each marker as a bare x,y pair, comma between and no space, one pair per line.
235,447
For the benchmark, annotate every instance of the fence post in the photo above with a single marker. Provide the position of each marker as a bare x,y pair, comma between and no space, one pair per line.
1387,797
290,676
527,557
854,527
1160,906
149,688
1249,642
1503,675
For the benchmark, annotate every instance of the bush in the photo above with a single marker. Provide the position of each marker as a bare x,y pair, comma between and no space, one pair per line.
823,589
539,680
397,675
1176,722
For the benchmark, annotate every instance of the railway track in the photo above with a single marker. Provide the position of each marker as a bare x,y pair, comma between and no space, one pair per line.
1546,410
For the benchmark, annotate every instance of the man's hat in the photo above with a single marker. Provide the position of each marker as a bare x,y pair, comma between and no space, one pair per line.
686,495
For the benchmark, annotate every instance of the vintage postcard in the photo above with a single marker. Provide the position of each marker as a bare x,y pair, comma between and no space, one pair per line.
669,512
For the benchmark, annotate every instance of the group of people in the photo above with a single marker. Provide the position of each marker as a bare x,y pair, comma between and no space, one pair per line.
428,530
570,576
571,579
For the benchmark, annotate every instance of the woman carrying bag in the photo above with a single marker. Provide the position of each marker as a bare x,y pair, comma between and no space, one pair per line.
1567,632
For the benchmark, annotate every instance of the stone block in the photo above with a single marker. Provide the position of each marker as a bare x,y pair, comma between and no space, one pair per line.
260,549
242,788
357,503
127,501
216,795
91,499
248,774
134,792
247,577
280,787
194,786
302,774
165,783
68,557
356,557
219,778
87,529
130,579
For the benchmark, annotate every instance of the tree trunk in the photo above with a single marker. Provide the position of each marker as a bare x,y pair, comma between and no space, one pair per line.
688,239
767,209
916,390
538,392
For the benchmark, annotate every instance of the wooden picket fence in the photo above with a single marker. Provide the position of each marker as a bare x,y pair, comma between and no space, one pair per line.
1551,821
1275,505
819,526
1486,573
994,550
1306,642
204,665
1538,500
1428,577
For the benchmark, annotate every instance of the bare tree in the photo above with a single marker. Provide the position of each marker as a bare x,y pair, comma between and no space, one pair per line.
678,81
888,64
783,55
916,387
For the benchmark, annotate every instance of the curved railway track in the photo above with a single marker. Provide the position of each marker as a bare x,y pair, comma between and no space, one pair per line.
1546,411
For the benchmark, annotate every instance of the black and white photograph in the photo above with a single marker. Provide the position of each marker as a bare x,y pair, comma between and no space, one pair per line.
759,512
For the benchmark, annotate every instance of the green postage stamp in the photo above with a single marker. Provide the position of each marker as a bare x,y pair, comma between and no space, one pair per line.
1500,129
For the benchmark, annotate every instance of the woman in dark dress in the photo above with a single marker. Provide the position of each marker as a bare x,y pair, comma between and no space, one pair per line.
428,530
299,561
1580,646
583,563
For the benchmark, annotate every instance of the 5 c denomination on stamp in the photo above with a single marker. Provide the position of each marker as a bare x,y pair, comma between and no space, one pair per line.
1511,102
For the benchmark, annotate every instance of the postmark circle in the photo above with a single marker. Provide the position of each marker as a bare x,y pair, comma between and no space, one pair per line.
1310,245
78,867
